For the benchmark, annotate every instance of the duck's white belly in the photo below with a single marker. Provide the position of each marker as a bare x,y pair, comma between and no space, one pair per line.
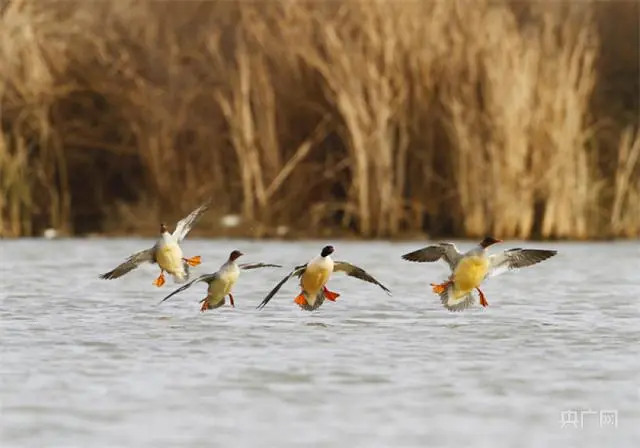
169,258
224,284
469,273
315,277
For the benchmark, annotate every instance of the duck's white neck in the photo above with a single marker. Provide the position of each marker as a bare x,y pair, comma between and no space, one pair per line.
322,262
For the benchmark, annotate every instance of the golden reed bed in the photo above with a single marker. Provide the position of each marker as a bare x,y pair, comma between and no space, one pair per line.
376,118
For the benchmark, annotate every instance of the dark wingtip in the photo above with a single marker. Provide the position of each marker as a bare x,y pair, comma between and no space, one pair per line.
547,253
411,257
550,253
407,256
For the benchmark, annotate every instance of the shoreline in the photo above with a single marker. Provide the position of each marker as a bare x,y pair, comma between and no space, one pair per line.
294,236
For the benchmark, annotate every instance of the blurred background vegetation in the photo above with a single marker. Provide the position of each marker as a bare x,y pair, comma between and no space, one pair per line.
372,119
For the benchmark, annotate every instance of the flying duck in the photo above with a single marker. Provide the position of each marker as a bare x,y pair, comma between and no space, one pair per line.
470,269
221,282
166,252
314,276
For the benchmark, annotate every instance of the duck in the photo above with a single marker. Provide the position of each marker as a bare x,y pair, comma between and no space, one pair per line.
166,252
221,282
314,276
471,269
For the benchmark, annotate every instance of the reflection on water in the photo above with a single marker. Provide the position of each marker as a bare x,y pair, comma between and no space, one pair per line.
89,362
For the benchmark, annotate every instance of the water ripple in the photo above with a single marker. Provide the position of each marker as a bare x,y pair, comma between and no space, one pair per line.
87,362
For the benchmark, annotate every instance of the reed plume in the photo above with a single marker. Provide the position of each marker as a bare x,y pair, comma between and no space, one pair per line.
372,118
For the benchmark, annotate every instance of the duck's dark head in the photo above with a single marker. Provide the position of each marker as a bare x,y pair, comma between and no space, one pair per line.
488,241
163,228
326,250
235,255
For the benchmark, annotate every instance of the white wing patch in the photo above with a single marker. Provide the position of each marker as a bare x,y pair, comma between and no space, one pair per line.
184,225
514,259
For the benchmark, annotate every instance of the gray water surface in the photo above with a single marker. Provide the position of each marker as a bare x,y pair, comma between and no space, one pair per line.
87,362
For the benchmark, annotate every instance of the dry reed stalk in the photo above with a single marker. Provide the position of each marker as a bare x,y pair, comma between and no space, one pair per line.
249,105
511,68
474,102
237,108
426,32
517,81
29,90
565,87
15,189
377,115
626,199
363,77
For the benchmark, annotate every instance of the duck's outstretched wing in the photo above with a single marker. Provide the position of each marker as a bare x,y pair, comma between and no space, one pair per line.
246,266
513,259
446,251
135,260
185,224
298,270
357,272
207,278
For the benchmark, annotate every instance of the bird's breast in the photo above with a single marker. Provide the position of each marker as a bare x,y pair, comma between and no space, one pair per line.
470,272
315,277
169,257
227,279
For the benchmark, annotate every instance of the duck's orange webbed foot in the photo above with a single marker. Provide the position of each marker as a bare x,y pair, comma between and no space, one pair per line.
330,295
439,288
231,300
205,306
483,299
193,261
301,300
160,280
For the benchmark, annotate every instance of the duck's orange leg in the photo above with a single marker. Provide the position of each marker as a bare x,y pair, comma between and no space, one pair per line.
301,300
330,295
231,300
160,280
483,299
439,288
193,261
205,305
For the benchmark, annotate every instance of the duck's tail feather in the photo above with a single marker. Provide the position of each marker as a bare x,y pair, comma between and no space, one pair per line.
303,300
183,276
455,300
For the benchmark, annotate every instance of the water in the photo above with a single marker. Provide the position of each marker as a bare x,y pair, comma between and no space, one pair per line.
88,362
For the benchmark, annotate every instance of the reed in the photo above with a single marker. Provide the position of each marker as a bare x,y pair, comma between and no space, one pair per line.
375,118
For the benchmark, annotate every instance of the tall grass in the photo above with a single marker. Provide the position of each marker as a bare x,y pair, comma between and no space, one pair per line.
376,118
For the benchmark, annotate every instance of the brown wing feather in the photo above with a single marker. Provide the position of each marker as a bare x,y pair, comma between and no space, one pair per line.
517,258
135,260
207,278
298,270
357,272
185,224
246,266
446,251
426,254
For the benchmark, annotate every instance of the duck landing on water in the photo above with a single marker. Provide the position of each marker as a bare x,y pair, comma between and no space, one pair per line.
470,269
